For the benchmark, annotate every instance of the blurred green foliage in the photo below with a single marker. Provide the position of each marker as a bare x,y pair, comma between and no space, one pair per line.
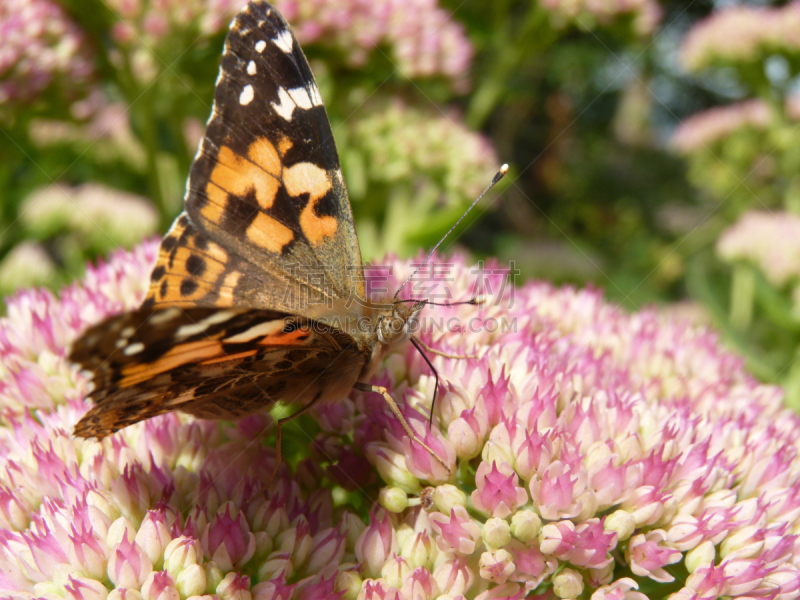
623,173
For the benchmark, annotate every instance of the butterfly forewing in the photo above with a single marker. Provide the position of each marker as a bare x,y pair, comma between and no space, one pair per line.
266,187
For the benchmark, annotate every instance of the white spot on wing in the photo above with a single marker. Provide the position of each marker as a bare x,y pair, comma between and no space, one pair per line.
185,331
284,41
247,95
162,316
133,349
284,106
251,68
260,45
257,331
301,97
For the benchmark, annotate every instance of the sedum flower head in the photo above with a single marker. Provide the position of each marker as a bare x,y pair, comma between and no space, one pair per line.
423,39
598,453
586,14
41,48
742,35
767,240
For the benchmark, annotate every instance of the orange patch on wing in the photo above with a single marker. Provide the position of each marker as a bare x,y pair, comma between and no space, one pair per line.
180,355
266,232
285,145
235,174
244,354
308,178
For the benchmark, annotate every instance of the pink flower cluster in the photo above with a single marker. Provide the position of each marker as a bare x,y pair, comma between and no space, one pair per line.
767,240
645,14
423,38
590,452
41,47
714,125
401,144
742,34
148,22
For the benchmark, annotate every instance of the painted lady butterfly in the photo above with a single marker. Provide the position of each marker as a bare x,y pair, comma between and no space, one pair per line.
258,292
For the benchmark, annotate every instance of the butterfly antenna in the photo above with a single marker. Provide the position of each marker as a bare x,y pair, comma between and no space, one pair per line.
498,176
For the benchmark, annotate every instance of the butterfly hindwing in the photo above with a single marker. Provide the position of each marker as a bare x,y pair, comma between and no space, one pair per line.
211,363
266,186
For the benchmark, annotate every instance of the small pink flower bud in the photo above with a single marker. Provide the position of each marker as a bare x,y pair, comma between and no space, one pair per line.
348,583
506,591
393,499
275,589
227,539
419,550
447,496
120,529
378,590
420,585
234,586
568,584
555,493
159,586
497,492
83,588
454,576
645,504
376,544
621,589
496,566
496,532
128,565
744,543
458,532
704,554
421,464
394,571
327,547
153,536
497,448
181,553
533,451
191,581
295,541
647,555
620,522
525,525
213,576
352,527
277,564
131,493
467,434
392,467
89,552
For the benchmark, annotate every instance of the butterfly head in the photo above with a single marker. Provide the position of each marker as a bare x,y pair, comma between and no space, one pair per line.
400,322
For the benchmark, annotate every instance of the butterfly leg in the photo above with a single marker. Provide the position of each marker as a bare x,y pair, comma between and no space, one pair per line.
365,387
279,437
445,354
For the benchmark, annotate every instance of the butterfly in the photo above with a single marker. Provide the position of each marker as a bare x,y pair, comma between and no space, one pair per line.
258,291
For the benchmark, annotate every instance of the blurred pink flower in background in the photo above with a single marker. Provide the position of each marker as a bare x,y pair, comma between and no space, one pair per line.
422,38
596,450
646,14
742,34
711,126
767,240
41,48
